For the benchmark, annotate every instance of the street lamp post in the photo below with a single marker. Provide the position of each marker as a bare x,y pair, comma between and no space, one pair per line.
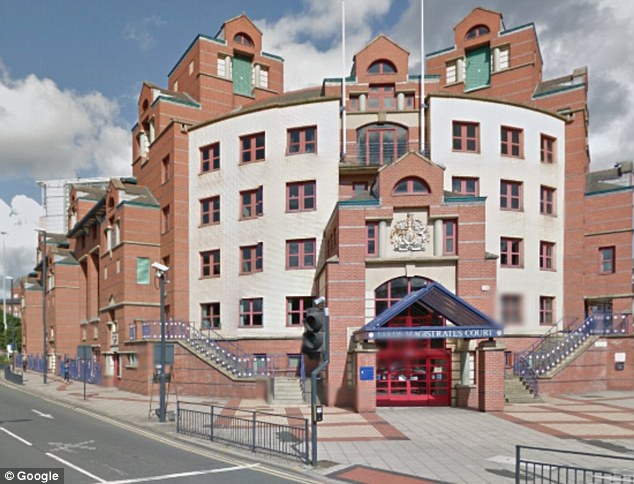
10,345
4,290
43,255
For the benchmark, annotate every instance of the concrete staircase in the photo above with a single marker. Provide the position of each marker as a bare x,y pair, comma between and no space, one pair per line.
516,391
285,391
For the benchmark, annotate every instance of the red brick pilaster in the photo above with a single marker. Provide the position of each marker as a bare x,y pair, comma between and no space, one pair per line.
490,376
365,390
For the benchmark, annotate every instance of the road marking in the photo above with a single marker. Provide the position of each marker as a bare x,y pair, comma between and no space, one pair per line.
15,436
73,466
45,415
183,474
61,446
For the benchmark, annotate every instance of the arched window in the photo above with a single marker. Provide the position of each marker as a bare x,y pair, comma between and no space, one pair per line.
243,39
381,144
382,67
477,31
394,290
411,186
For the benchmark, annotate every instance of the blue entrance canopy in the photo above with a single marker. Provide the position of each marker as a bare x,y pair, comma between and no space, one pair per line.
469,322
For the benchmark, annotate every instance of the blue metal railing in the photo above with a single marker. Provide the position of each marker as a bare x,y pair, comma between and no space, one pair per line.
214,346
556,345
76,370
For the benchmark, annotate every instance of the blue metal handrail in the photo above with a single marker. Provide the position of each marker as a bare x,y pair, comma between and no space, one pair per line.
555,346
214,346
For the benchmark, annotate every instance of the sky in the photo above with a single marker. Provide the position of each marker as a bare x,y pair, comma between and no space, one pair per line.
71,72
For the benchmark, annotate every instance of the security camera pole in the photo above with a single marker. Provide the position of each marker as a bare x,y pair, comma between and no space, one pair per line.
161,274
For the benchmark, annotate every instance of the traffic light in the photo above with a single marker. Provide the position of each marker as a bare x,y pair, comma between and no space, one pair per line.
314,332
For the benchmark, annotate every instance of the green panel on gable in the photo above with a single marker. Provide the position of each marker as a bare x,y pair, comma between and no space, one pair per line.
242,76
478,71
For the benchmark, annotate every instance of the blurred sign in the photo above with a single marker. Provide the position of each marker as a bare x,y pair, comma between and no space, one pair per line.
84,352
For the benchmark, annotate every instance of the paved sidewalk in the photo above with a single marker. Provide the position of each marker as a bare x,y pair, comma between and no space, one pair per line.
402,445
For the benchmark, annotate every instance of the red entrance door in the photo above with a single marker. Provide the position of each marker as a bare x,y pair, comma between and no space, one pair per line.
413,372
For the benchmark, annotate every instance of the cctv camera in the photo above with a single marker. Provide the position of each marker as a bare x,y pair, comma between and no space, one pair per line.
320,300
160,267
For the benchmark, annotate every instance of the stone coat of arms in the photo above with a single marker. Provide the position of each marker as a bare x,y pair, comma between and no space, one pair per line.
409,235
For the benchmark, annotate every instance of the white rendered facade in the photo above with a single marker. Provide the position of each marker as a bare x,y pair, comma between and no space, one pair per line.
274,283
490,167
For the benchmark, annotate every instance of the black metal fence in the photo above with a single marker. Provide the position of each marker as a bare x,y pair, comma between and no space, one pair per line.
257,431
536,464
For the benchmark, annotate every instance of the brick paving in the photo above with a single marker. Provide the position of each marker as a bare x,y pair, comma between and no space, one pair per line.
401,445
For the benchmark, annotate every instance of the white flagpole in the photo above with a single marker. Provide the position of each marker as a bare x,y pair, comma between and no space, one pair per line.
343,79
422,78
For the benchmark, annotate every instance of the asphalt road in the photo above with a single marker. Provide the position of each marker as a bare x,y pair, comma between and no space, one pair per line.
36,433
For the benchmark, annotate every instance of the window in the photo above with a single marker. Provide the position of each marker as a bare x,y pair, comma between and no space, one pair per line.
224,66
165,170
546,310
450,237
210,158
466,137
411,186
546,256
243,39
547,149
394,290
381,97
210,315
501,58
381,67
546,200
116,233
371,239
477,31
510,195
511,309
263,82
302,140
251,259
210,263
191,67
251,203
260,364
296,308
210,210
511,142
300,254
359,187
300,196
455,71
165,219
251,312
381,144
510,252
354,103
252,148
607,260
142,270
465,186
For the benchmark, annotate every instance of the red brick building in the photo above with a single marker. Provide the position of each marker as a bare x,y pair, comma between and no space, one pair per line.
258,204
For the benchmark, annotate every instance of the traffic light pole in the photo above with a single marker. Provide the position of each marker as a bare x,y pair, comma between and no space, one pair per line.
313,385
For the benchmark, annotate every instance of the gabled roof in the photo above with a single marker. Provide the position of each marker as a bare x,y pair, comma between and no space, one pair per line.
481,9
221,31
437,298
376,39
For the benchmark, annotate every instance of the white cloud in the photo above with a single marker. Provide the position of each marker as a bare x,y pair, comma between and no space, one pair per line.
47,132
19,220
141,32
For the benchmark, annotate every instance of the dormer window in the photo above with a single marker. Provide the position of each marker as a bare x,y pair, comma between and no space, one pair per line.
411,186
382,67
477,31
243,39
